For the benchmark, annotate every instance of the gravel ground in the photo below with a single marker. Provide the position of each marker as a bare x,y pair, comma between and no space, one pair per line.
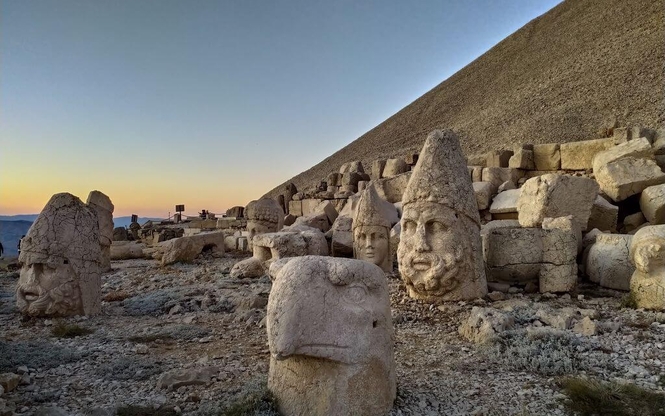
196,316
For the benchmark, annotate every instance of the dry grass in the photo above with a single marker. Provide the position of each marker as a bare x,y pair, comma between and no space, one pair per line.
64,330
589,397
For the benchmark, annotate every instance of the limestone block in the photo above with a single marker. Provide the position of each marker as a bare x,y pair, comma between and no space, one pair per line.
186,249
652,204
272,246
395,167
559,270
604,215
546,157
628,176
505,202
327,208
342,237
579,155
243,244
498,158
120,234
497,176
411,159
330,337
522,159
477,160
355,166
512,254
377,169
633,221
250,268
608,261
476,173
334,179
639,148
187,377
506,186
230,243
319,221
647,253
391,189
126,250
351,179
483,191
235,212
310,206
554,196
565,223
61,261
485,324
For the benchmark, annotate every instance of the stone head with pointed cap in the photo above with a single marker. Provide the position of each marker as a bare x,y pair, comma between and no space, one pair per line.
371,231
61,257
439,253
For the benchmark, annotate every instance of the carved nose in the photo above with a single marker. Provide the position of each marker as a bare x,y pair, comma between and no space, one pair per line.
420,239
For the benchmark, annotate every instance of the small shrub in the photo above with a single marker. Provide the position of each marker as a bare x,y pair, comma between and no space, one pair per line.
628,301
35,354
589,397
64,330
116,296
129,368
253,400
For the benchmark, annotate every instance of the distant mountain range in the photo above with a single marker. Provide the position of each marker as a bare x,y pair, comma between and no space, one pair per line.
13,227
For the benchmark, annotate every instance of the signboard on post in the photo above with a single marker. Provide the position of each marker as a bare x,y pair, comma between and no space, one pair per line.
179,208
135,218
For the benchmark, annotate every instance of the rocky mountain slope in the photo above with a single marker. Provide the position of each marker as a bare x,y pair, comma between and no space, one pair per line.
583,66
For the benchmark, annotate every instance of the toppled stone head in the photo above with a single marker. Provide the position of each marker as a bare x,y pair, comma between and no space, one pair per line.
439,253
331,337
371,231
263,216
647,252
61,261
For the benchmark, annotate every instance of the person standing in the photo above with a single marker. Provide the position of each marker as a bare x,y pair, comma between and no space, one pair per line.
2,249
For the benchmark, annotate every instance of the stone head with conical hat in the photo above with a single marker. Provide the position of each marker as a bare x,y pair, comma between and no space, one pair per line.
371,231
61,258
439,253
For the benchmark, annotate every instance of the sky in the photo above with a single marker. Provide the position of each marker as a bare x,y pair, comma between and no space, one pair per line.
213,103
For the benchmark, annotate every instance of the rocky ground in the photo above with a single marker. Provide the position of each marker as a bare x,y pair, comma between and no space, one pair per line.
197,319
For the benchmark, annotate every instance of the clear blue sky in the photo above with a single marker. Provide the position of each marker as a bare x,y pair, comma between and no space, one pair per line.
213,103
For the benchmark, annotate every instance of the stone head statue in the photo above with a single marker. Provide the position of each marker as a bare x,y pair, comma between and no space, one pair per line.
60,255
104,208
263,216
439,252
371,231
647,252
331,337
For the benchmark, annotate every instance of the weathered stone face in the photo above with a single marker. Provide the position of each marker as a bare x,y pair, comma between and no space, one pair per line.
647,252
372,243
330,336
104,208
61,261
263,216
433,251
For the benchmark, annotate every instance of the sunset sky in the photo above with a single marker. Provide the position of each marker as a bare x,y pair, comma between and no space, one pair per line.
213,103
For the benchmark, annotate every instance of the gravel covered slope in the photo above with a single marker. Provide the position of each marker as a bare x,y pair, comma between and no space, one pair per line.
562,77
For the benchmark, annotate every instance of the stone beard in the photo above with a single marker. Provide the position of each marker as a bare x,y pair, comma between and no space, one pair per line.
49,288
372,243
435,251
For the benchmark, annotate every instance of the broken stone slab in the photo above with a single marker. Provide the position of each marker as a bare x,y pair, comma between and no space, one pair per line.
628,176
512,254
477,160
505,202
354,166
639,148
483,191
559,269
652,204
608,261
319,220
565,223
295,208
485,324
579,155
522,159
497,176
391,189
342,237
498,158
604,215
506,186
586,326
351,179
395,167
248,269
633,222
547,157
554,195
334,179
127,250
186,249
377,169
9,381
